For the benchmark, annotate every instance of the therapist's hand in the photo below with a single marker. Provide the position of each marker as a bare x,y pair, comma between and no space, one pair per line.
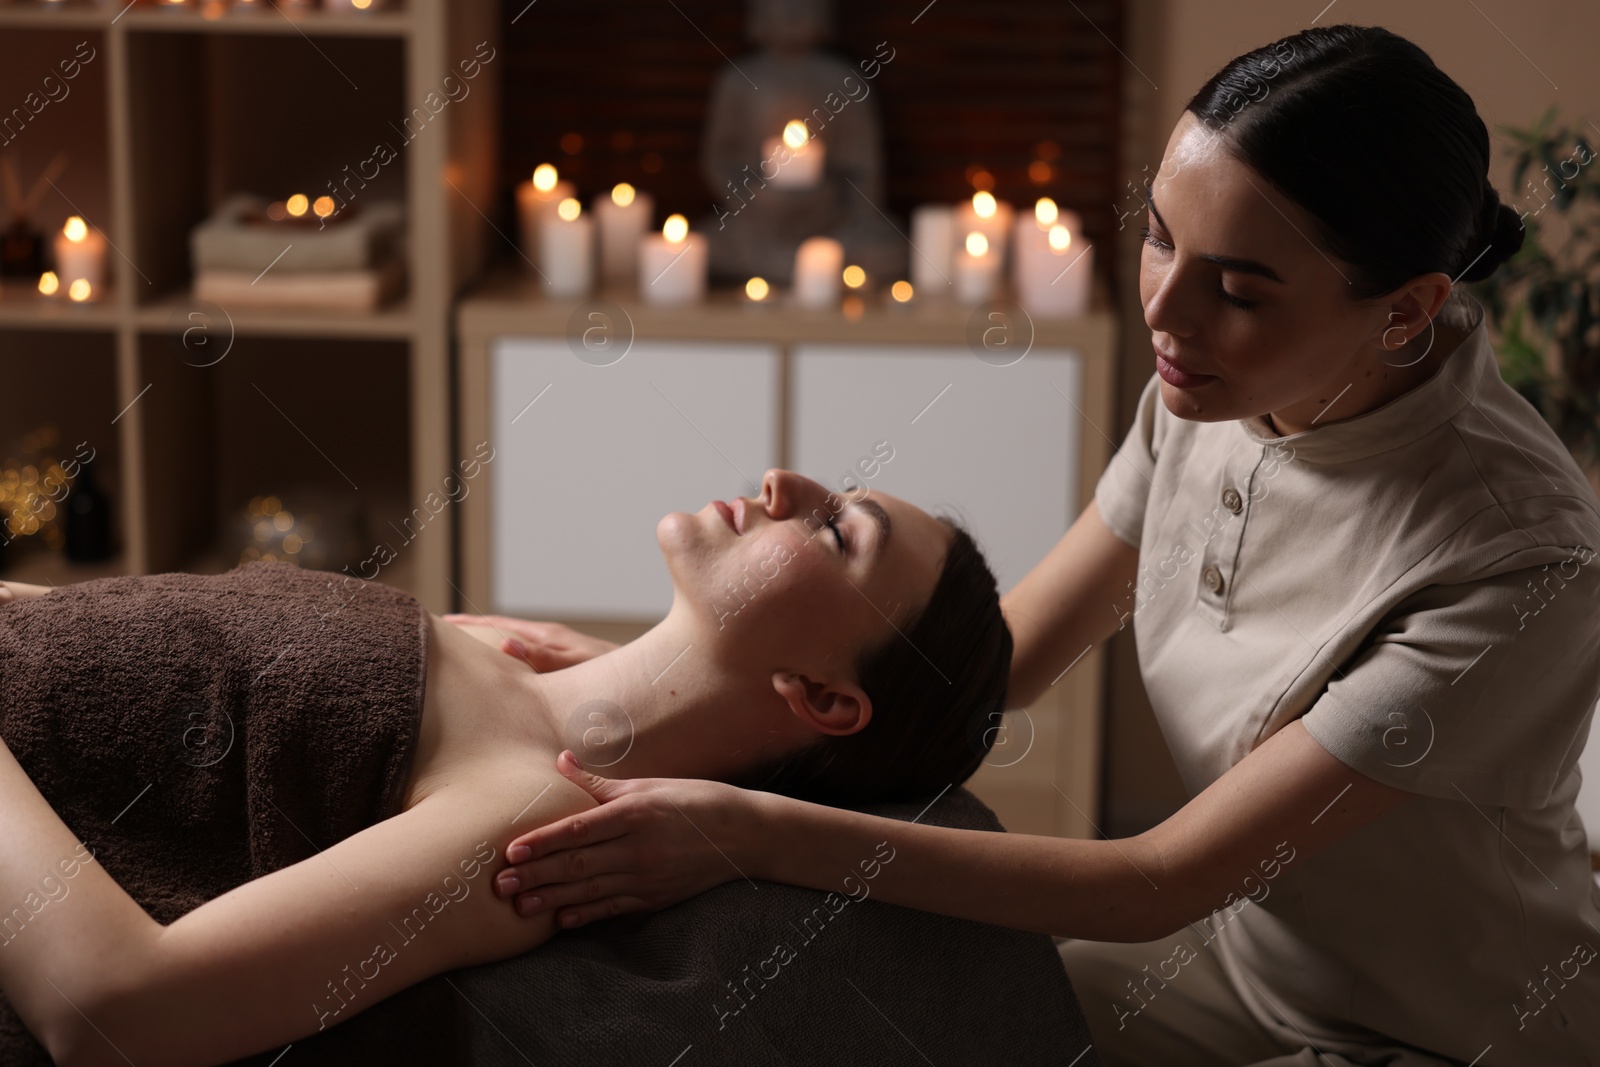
651,843
544,646
17,591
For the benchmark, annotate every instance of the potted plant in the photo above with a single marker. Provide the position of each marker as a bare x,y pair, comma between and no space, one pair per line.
1544,302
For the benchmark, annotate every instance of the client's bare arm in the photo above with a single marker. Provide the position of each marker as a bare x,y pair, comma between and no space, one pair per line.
18,591
304,948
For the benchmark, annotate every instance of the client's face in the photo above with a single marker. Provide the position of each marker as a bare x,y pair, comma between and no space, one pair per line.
800,578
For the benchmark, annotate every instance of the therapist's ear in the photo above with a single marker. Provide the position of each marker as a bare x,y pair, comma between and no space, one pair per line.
834,707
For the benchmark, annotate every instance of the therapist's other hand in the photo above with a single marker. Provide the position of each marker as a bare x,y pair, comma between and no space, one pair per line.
544,646
651,843
10,591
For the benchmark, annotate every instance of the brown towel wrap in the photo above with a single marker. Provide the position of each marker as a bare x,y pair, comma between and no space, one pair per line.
198,732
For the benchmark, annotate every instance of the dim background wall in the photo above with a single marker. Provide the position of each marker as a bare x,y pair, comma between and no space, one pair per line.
1514,57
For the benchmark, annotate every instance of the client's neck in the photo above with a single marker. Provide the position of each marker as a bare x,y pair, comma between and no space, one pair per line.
661,706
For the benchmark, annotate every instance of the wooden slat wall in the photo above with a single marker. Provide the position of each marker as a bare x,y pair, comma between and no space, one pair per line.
970,84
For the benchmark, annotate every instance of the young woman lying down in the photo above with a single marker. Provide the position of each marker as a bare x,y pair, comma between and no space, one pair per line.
237,810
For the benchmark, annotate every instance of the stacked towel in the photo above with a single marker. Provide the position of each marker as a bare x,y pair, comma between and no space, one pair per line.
199,732
353,264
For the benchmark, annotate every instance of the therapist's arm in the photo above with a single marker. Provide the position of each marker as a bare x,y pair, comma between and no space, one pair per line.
1073,599
653,842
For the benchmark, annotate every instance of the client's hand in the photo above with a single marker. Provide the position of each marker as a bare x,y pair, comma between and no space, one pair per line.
544,646
651,843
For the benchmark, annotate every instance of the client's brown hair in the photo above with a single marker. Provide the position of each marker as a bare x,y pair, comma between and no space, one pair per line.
938,689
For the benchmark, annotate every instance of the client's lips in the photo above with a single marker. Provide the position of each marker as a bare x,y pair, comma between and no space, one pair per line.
1173,374
727,515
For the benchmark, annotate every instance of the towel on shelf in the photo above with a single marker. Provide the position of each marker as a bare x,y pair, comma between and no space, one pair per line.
371,236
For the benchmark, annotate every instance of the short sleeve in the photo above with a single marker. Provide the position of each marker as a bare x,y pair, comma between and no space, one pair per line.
1124,486
1479,691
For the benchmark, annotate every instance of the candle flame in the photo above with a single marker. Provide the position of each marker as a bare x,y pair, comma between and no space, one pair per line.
297,204
360,5
49,283
622,194
1060,238
977,244
795,134
544,177
983,204
79,290
901,291
854,276
322,207
757,289
569,209
1046,212
676,229
75,229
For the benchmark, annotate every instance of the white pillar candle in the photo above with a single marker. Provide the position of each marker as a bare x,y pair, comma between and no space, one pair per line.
672,265
818,265
988,216
624,216
80,253
797,159
977,270
537,199
1054,269
566,251
933,243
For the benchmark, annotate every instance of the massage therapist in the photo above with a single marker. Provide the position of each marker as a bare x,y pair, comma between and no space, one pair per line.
1360,569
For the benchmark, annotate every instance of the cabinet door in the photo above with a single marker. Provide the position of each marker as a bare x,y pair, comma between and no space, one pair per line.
996,447
589,458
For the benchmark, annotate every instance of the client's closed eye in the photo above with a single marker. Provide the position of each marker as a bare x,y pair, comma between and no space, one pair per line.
833,524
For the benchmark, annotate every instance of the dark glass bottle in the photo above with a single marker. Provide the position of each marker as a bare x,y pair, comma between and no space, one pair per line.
88,519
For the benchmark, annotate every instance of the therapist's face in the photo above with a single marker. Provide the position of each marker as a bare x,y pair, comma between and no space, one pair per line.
1273,330
780,593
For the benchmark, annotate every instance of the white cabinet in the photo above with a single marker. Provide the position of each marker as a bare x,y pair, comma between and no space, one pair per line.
994,447
589,458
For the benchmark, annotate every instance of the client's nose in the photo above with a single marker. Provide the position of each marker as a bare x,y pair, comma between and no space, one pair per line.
785,494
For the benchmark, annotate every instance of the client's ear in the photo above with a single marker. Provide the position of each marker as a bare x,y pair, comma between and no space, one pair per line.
835,707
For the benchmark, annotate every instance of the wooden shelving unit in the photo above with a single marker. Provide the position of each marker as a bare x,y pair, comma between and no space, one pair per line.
176,110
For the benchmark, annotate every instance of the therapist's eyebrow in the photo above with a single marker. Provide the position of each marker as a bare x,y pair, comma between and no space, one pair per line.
881,517
1234,263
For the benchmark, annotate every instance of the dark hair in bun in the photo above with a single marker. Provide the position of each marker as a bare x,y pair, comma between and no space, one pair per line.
1358,126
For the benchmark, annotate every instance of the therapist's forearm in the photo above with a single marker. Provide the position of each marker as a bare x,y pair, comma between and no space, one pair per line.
1099,890
1073,599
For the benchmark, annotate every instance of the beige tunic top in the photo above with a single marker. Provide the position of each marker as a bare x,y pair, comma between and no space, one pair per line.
1417,585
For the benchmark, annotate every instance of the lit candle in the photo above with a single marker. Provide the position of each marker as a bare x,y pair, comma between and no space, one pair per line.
854,277
352,7
797,158
174,5
624,216
566,250
988,216
933,244
81,254
672,265
49,284
538,199
1054,265
818,267
756,290
977,270
902,291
